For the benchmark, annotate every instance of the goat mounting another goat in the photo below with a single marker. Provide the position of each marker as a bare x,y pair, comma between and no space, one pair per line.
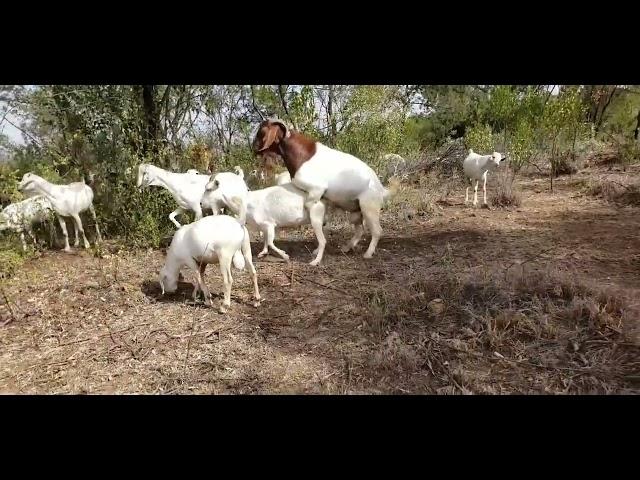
67,201
215,239
477,167
186,188
279,206
22,216
339,178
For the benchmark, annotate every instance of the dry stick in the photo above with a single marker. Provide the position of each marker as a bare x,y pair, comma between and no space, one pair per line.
6,300
328,286
533,257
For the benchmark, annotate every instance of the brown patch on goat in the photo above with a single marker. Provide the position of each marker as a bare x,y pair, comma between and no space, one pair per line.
294,150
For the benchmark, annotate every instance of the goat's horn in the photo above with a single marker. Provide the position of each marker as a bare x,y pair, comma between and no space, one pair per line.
284,125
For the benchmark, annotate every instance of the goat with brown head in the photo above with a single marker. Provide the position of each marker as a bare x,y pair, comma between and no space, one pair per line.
275,138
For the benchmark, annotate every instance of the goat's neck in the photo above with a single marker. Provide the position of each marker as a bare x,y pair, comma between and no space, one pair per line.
47,189
165,179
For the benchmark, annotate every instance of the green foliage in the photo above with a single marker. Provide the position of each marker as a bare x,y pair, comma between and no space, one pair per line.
11,256
375,124
522,145
479,138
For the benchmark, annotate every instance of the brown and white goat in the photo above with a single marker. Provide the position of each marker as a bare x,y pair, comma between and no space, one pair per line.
326,173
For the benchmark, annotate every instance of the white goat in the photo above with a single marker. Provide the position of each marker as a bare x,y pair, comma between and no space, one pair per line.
186,188
325,173
214,239
279,206
477,167
67,201
22,216
283,178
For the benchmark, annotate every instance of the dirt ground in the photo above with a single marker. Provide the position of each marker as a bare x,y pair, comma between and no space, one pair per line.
536,299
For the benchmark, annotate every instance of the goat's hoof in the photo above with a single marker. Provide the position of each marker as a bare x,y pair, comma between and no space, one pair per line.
67,250
257,302
262,254
315,263
367,255
285,257
222,309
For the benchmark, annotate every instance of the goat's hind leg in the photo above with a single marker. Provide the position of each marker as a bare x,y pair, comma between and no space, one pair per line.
63,227
371,214
95,222
356,220
78,223
316,214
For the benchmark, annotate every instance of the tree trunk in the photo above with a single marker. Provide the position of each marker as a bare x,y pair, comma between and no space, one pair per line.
636,132
553,162
330,118
149,144
605,105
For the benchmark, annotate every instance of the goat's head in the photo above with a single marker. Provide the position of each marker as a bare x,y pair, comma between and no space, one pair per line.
168,280
496,159
221,188
28,183
144,176
270,133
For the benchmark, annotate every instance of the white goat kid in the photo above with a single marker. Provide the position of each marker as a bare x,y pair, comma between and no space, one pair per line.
278,206
477,167
67,201
186,188
22,216
214,239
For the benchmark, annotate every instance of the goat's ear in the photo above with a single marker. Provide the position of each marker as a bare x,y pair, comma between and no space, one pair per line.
239,171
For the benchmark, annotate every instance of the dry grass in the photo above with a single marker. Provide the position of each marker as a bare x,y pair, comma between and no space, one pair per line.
616,192
540,299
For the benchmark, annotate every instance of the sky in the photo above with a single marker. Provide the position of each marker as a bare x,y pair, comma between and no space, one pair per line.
10,131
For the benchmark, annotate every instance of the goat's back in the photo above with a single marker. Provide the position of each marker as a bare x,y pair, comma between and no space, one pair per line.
204,239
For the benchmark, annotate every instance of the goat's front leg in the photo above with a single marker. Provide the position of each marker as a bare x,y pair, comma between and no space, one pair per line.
265,249
172,216
63,226
198,211
466,196
24,244
317,220
78,222
484,187
271,234
95,222
76,242
203,286
475,194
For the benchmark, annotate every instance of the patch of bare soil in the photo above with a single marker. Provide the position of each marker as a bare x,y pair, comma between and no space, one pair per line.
540,298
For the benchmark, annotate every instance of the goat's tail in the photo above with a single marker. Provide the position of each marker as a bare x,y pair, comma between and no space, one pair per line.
244,252
392,189
238,260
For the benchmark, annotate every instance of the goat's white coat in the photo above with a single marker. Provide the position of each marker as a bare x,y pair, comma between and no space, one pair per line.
477,167
278,206
22,216
67,201
213,239
283,178
186,188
